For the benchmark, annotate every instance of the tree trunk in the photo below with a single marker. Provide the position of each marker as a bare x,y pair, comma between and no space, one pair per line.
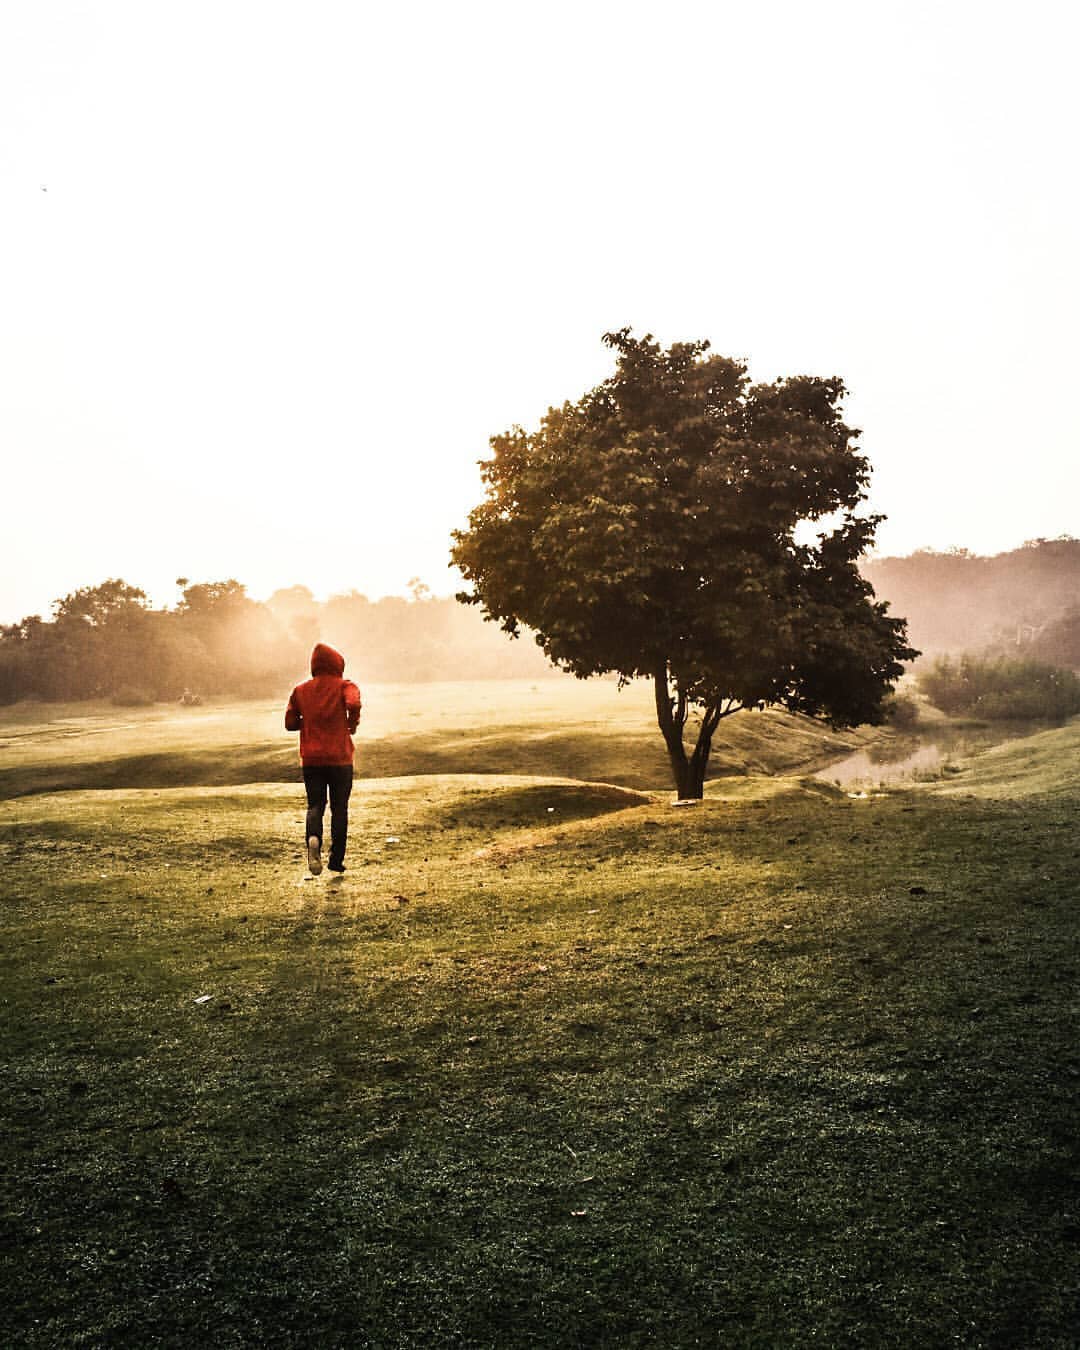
690,785
699,760
671,714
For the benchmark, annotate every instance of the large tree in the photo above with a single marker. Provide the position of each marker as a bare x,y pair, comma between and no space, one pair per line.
650,529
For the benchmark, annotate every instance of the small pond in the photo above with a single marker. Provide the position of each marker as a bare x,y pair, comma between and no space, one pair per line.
908,759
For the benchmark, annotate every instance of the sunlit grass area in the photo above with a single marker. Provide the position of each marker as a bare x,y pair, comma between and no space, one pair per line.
1043,763
554,1064
581,729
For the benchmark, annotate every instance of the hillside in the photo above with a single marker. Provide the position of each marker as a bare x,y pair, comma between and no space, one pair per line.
958,600
587,730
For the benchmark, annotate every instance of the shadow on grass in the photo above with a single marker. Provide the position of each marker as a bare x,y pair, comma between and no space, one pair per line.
635,761
590,758
539,804
226,767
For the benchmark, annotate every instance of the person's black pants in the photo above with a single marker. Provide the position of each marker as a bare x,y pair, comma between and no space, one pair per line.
335,780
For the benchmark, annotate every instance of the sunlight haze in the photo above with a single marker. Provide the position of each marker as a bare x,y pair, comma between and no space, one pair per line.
272,275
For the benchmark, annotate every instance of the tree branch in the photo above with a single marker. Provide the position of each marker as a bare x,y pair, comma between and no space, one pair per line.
681,708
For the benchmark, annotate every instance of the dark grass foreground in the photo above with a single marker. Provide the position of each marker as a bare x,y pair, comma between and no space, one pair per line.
787,1069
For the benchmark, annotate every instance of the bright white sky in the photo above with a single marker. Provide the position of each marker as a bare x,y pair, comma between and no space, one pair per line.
295,263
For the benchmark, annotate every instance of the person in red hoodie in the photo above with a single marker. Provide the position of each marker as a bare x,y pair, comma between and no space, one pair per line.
325,711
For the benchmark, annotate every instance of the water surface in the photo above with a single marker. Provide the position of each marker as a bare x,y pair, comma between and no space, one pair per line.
914,758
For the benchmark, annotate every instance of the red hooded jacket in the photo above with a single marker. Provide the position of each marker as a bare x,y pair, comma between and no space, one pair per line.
325,710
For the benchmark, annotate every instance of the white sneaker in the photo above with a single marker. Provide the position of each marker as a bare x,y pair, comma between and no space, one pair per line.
314,856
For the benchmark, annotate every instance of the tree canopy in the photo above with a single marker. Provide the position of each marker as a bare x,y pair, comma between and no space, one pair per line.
651,529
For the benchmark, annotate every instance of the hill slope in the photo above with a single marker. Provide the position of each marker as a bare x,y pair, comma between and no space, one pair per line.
590,731
1045,763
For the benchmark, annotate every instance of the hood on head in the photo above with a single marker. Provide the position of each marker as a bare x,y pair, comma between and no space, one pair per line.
326,661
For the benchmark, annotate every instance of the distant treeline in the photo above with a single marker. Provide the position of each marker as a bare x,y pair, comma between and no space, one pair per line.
106,642
1026,600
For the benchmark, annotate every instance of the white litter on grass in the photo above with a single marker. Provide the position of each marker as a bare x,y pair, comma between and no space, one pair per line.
392,839
550,810
203,998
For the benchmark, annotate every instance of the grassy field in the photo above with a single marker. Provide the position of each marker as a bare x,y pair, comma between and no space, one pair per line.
554,1064
584,730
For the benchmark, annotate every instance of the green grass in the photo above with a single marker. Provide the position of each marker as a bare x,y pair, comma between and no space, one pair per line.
585,730
562,1066
1043,764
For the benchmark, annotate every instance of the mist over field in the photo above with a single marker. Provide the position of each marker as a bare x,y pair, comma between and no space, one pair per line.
1027,598
105,641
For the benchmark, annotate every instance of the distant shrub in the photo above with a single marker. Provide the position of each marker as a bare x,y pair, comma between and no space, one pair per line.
129,696
1059,641
1000,689
901,711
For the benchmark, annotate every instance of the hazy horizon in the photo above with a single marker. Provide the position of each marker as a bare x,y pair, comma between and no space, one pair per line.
272,280
173,594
